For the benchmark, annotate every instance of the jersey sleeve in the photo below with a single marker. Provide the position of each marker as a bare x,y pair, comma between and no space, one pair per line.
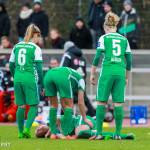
100,45
12,56
38,55
81,85
128,49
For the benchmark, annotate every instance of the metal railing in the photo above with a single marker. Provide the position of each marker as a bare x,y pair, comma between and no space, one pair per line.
145,54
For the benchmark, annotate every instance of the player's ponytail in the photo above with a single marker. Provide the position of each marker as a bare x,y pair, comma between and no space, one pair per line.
31,30
111,20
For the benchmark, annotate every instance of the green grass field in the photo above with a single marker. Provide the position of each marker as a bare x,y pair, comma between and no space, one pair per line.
8,134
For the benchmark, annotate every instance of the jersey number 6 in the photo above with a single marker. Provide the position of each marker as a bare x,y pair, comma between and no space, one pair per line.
21,56
116,44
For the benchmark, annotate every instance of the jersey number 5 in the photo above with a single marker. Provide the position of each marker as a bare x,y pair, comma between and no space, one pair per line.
116,44
22,57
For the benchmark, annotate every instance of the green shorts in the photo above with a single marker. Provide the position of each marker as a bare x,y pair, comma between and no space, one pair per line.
81,122
115,85
54,82
26,93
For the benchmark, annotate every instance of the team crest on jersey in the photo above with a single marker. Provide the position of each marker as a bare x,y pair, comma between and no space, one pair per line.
99,43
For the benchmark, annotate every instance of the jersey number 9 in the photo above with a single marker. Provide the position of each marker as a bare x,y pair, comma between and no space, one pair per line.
22,57
116,44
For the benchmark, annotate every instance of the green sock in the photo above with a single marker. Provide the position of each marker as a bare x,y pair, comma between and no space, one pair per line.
67,121
123,136
118,119
20,118
31,116
87,134
53,119
100,114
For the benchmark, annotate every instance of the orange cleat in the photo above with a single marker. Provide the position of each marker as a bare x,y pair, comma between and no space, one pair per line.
67,137
53,136
93,137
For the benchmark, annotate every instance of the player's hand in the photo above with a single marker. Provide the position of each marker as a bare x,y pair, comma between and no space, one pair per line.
42,91
89,122
126,82
92,79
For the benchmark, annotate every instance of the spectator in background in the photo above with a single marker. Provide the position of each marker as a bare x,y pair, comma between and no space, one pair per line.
80,35
57,41
4,21
108,6
5,43
23,20
7,81
130,24
40,19
95,20
40,42
73,58
1,78
53,63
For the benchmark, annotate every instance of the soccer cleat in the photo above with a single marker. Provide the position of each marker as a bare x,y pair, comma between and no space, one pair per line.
20,135
108,137
100,137
26,133
53,136
131,136
67,137
117,137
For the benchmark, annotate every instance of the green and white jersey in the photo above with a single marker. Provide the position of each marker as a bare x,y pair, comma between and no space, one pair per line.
114,46
25,56
75,79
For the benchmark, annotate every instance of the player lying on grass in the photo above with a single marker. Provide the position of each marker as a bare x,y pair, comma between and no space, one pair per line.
78,129
77,125
64,80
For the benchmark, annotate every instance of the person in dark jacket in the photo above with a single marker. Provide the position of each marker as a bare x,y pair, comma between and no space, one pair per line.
130,24
73,58
57,42
7,81
4,21
95,20
81,35
40,19
23,20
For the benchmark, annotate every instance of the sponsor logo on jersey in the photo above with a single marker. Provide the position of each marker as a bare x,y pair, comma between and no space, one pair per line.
99,44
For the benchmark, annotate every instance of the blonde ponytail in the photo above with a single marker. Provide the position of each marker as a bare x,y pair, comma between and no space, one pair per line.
111,20
31,30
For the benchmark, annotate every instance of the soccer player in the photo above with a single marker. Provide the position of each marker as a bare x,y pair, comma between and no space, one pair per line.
78,129
64,80
24,62
113,77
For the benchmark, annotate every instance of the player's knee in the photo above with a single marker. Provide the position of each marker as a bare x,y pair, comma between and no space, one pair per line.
101,103
117,104
22,106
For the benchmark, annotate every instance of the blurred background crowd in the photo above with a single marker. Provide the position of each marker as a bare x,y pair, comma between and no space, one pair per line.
79,22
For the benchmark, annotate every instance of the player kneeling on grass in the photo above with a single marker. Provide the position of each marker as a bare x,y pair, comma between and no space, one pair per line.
113,77
25,60
64,80
78,129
